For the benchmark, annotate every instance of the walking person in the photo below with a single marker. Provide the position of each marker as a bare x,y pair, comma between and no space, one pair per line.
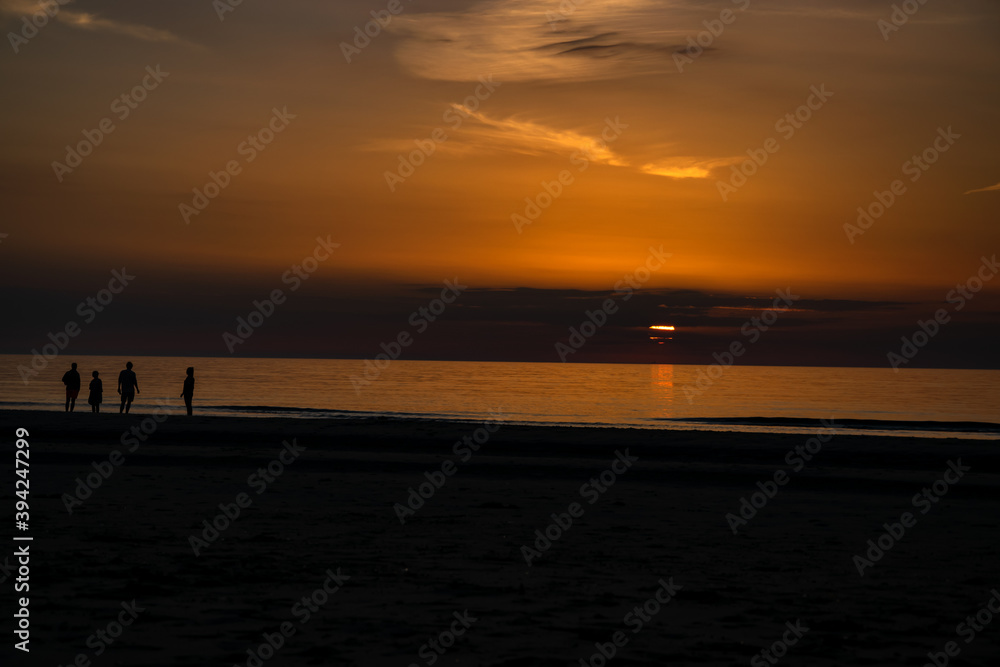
96,393
188,393
71,379
128,387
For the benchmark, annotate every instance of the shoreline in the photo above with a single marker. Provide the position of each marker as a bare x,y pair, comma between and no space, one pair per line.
724,453
930,429
333,507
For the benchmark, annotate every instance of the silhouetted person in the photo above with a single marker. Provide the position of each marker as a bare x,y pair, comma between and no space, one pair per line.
188,392
71,379
128,387
96,393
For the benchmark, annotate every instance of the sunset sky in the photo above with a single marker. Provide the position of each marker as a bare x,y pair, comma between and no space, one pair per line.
562,74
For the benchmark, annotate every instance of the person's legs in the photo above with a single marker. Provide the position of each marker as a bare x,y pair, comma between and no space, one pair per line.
122,408
67,400
72,403
128,405
187,403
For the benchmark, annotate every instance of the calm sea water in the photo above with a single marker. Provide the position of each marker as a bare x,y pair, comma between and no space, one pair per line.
649,396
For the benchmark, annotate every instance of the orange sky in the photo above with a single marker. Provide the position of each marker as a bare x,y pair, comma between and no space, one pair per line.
561,76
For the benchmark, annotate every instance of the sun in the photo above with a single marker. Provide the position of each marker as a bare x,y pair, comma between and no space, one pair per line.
660,340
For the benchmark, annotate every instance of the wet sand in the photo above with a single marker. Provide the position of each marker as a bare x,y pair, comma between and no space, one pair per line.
328,517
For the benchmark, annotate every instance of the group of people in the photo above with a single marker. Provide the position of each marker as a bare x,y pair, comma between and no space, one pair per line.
128,387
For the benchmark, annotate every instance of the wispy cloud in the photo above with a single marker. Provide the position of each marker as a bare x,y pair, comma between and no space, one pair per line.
87,21
21,6
534,40
482,133
862,11
535,139
590,40
992,188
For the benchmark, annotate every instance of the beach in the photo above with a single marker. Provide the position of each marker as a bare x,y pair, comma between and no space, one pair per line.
399,542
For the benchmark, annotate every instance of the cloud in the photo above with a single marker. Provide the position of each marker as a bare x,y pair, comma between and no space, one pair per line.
684,307
527,40
992,188
481,132
19,7
590,40
85,20
688,167
535,139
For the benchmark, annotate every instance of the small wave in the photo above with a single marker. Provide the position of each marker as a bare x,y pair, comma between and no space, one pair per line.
861,424
350,414
29,403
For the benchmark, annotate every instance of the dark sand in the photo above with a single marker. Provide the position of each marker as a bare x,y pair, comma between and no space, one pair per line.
333,508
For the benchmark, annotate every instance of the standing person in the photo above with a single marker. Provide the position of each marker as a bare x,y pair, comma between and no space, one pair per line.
71,379
96,393
188,392
128,387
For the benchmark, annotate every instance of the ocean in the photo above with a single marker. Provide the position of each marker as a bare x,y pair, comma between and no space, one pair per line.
925,402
